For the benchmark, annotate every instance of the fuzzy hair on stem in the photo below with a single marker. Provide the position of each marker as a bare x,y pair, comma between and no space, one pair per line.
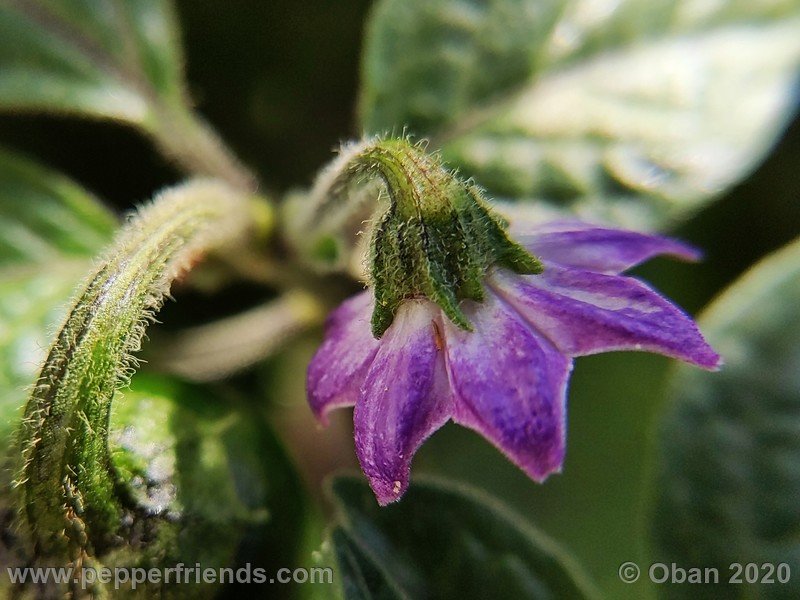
69,497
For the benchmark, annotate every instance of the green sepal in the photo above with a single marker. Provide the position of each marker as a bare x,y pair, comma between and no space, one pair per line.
438,238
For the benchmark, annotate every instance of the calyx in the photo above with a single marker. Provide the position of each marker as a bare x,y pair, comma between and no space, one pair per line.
438,237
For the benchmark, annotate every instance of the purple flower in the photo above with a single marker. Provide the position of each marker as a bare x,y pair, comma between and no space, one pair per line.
507,378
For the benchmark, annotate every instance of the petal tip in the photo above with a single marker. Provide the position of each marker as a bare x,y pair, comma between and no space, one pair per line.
322,418
388,491
318,405
543,468
714,362
686,252
704,356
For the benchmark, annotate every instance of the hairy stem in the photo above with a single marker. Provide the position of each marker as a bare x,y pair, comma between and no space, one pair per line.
66,481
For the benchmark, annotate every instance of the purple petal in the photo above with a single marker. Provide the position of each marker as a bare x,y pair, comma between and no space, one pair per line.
584,313
599,249
405,398
510,386
337,370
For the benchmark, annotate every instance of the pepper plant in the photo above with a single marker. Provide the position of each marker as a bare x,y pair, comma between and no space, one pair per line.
482,224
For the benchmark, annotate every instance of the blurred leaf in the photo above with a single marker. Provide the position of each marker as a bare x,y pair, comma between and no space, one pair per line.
184,465
211,467
361,578
113,59
635,111
102,58
442,541
729,447
49,230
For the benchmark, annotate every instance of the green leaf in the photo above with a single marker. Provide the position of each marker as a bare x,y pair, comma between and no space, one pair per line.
635,111
361,578
728,478
210,467
102,58
50,229
443,541
178,464
109,59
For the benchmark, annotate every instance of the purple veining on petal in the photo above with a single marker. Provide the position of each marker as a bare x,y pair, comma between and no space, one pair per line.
404,399
337,370
510,386
585,313
600,249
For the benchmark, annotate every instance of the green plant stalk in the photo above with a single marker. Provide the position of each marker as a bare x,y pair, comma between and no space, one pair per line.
68,488
218,349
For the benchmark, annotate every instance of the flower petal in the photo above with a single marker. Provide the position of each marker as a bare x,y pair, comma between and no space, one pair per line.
337,370
599,249
510,386
583,312
405,398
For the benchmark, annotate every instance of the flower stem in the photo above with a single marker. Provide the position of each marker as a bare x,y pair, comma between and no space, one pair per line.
219,349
